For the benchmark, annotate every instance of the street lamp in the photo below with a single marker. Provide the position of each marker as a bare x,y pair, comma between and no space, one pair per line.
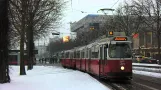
58,33
103,10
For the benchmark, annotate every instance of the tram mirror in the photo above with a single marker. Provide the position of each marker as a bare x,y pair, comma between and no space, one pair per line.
113,42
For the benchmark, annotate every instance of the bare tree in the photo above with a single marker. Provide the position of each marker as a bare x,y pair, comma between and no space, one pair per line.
125,20
39,17
42,16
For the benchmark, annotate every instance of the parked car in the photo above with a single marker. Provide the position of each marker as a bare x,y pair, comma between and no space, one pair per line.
149,60
137,58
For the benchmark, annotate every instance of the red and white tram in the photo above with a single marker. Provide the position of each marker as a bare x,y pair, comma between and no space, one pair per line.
109,57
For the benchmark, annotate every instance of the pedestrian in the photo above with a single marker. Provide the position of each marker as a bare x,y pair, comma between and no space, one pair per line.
40,60
45,60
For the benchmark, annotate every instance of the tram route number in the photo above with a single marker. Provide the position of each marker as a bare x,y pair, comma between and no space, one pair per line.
122,63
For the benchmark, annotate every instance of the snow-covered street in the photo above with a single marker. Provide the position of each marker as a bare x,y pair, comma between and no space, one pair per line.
51,78
57,78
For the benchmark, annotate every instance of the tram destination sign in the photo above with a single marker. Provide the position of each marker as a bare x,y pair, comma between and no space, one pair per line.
120,38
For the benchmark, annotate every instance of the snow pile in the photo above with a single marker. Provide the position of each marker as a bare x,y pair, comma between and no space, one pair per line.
51,78
156,70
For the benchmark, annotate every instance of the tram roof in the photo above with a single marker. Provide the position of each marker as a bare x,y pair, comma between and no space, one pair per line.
71,50
80,48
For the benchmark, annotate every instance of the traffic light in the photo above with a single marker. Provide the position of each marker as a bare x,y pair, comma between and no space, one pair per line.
66,39
110,32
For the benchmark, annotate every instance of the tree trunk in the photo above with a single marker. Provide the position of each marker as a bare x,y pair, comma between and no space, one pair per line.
22,65
158,30
30,42
4,30
158,38
29,49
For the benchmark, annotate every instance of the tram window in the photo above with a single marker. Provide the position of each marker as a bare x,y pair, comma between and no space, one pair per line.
82,54
105,51
95,52
119,50
67,55
78,55
75,54
71,55
86,54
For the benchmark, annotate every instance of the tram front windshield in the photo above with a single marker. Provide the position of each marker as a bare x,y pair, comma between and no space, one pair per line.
120,50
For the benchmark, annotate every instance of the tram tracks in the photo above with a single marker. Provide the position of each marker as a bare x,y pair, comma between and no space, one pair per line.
121,85
116,85
138,83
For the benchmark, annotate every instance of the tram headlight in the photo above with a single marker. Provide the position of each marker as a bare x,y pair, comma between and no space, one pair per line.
122,67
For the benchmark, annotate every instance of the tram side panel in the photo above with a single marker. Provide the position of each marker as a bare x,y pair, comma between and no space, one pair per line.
83,64
67,62
94,66
87,65
78,63
72,63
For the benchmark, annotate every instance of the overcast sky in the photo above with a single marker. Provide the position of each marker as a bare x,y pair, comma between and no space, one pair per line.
74,10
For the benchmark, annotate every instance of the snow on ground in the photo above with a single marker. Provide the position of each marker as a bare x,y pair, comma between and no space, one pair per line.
151,74
51,78
157,70
144,64
153,71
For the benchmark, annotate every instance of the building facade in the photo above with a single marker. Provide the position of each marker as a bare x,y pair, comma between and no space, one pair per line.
42,50
146,44
87,22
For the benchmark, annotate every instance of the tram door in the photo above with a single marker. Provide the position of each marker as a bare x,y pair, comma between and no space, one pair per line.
103,58
101,65
89,60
